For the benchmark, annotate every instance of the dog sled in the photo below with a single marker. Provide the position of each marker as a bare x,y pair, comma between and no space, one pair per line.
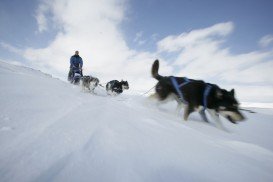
74,76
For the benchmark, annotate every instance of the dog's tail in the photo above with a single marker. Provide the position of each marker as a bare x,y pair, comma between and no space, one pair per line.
155,69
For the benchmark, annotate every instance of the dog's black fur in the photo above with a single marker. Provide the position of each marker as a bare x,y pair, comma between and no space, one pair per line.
89,83
116,87
219,101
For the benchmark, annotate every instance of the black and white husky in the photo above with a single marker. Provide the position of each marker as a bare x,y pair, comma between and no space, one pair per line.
89,83
116,87
197,95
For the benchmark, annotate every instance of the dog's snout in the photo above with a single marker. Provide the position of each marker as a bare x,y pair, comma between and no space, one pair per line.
242,117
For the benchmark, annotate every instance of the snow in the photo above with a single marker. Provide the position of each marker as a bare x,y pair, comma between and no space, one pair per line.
52,131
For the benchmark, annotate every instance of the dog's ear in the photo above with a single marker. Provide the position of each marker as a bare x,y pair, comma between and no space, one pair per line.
232,92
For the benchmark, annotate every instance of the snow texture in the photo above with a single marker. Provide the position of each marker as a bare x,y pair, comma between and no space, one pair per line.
52,131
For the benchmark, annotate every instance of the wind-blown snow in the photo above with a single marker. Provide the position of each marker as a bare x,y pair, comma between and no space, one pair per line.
51,131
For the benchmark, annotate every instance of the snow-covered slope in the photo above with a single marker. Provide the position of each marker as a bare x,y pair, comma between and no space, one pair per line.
51,131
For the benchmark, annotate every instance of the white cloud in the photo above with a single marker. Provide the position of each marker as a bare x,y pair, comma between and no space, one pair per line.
93,28
201,55
11,48
195,37
138,38
266,40
40,16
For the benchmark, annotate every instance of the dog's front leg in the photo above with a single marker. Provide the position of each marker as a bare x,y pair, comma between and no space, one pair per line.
203,115
216,117
179,107
83,89
187,111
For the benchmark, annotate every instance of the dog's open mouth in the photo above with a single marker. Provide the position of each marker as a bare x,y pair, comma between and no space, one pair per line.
233,116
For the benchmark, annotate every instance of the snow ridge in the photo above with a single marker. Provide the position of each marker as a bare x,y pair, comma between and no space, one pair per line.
51,131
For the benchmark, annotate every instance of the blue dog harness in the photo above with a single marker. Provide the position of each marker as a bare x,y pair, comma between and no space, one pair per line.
177,88
205,96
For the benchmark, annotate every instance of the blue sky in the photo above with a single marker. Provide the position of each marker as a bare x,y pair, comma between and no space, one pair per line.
252,19
225,42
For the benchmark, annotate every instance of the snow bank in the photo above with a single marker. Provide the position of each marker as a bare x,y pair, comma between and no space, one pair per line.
51,131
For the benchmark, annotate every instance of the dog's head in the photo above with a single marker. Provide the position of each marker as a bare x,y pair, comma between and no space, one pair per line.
95,81
228,106
85,78
124,85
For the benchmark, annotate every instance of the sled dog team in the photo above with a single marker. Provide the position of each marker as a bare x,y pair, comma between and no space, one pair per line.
113,87
193,95
89,83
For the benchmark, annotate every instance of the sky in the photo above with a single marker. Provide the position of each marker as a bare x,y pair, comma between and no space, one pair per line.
229,43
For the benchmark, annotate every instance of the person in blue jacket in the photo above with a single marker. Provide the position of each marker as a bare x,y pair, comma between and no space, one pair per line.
75,65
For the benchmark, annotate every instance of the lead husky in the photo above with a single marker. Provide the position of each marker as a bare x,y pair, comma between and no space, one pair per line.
197,95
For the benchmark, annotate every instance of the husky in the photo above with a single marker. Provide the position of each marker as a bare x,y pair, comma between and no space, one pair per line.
116,87
89,83
197,95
